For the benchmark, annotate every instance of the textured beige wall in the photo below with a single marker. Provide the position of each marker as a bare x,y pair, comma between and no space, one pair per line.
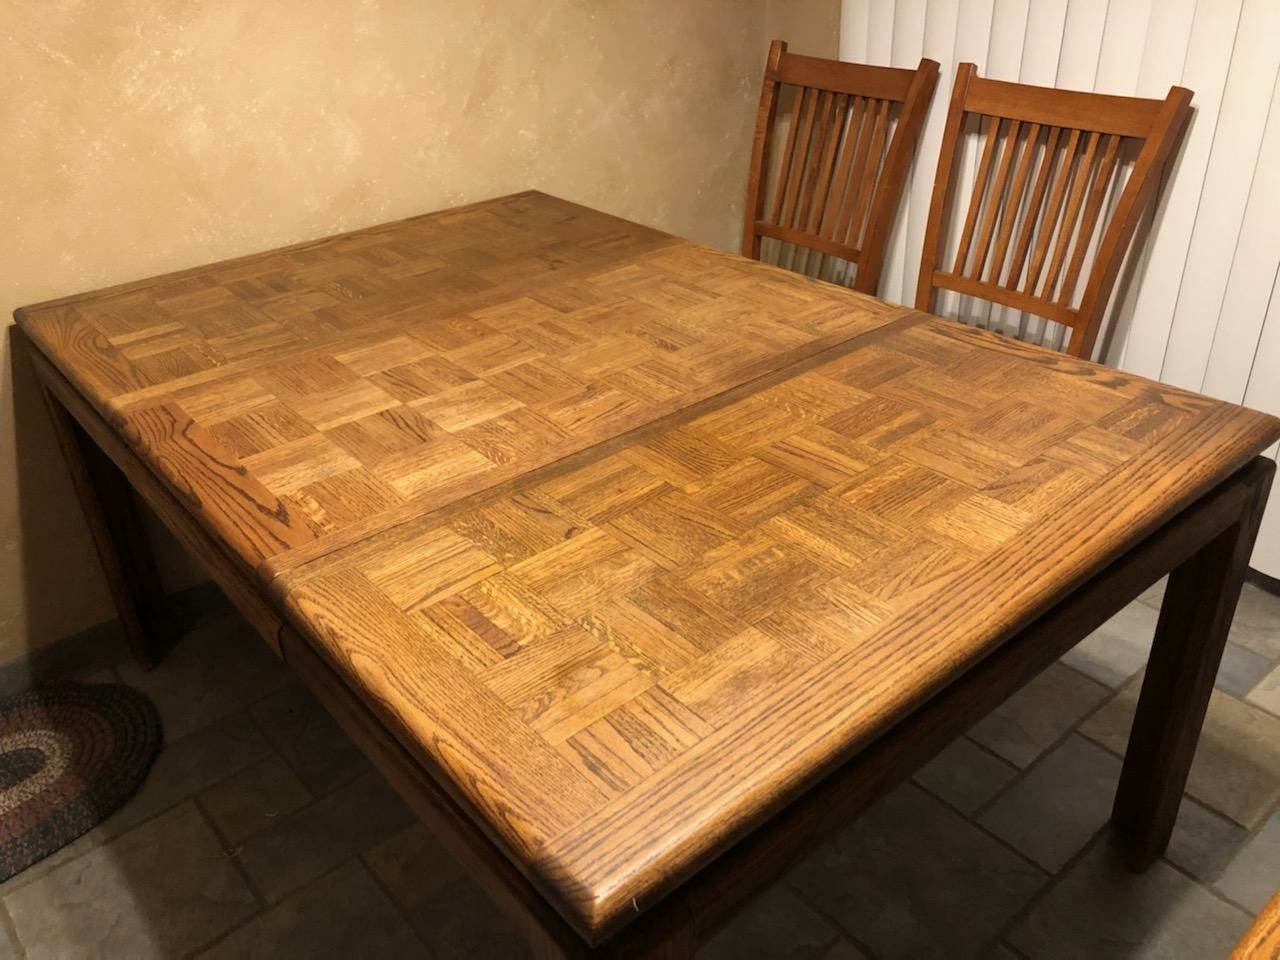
808,26
147,135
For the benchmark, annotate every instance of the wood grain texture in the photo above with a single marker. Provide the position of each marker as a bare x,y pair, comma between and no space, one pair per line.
840,172
693,627
301,399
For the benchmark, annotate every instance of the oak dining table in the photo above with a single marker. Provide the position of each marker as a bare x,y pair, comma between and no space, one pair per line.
637,566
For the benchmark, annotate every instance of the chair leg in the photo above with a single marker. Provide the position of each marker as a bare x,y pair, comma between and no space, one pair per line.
116,531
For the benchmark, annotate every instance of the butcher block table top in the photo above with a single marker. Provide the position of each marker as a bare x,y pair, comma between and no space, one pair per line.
627,540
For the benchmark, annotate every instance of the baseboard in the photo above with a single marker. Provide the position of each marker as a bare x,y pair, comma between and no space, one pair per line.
1260,579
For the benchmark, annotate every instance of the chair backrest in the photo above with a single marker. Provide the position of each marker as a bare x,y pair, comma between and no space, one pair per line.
840,174
1050,188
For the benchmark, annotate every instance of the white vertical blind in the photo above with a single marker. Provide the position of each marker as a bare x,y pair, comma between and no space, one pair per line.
1203,310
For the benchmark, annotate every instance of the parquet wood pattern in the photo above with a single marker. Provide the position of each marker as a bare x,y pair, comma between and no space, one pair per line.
624,664
303,398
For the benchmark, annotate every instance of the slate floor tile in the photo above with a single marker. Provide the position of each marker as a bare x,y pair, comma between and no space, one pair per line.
1240,670
320,753
254,799
189,765
340,916
965,775
776,925
450,913
1103,910
1253,877
317,838
161,890
1257,621
1058,805
1119,648
1267,693
78,847
1039,714
1203,841
912,878
216,670
1236,770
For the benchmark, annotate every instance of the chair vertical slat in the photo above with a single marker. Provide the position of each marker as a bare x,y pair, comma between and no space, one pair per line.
1057,194
788,151
813,159
1031,217
834,128
943,184
1083,172
804,125
859,164
1092,209
996,202
1014,201
990,135
870,173
891,180
840,180
1139,194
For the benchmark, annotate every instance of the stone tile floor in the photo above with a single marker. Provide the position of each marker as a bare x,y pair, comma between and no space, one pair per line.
261,831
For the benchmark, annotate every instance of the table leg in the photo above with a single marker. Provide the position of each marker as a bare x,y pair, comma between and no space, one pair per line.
1199,603
114,527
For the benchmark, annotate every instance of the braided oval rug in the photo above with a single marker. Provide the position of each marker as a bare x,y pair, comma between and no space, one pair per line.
70,755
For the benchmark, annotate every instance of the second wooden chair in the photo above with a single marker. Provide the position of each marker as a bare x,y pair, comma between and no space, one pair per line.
836,185
1039,213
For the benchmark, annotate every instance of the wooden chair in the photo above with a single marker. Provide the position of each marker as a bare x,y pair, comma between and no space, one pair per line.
840,174
1049,160
1262,941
